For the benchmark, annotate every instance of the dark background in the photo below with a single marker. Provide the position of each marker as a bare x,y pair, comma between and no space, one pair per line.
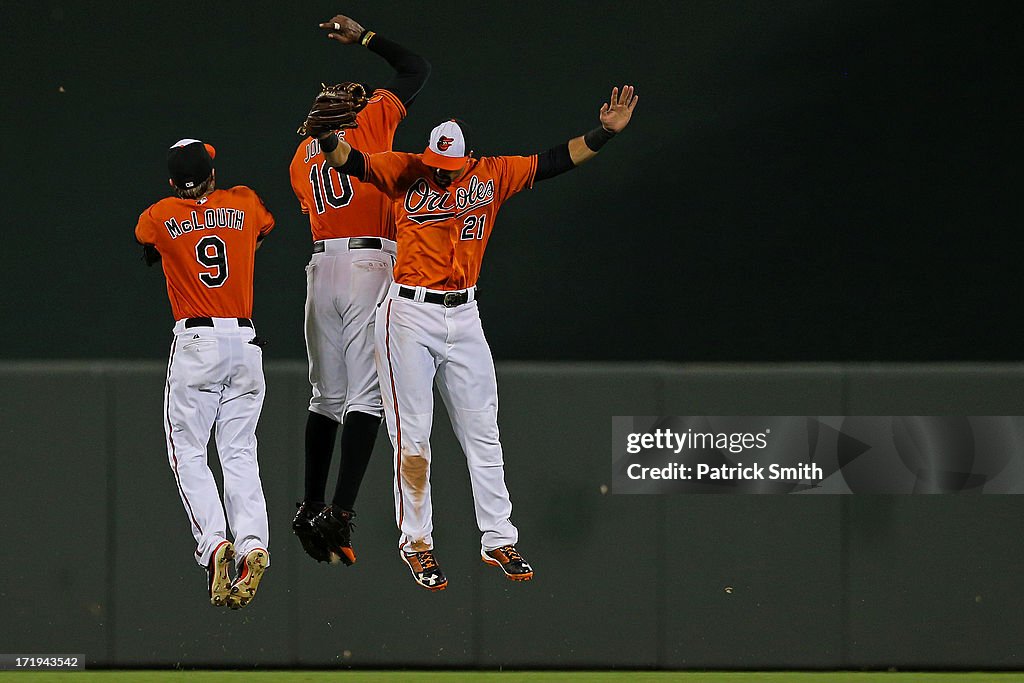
801,181
103,566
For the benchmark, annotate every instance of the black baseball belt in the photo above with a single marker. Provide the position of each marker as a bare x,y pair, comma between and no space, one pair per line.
353,243
208,322
446,299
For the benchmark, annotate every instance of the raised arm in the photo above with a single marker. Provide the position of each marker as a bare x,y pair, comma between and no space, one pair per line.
389,172
614,117
336,151
411,70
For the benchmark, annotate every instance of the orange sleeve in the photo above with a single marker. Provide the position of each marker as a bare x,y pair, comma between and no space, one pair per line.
145,229
515,174
264,219
389,171
296,174
392,109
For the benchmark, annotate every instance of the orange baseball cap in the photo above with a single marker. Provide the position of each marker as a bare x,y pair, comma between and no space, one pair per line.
190,162
448,147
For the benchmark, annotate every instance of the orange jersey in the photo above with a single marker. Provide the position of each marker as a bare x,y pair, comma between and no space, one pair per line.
207,248
443,231
338,205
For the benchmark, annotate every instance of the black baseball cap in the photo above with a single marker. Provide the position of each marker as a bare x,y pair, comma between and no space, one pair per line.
190,162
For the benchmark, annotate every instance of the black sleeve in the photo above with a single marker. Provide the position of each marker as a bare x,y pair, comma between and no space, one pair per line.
150,255
355,166
554,161
411,70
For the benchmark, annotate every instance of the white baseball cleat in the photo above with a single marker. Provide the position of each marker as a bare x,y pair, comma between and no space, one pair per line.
217,569
248,579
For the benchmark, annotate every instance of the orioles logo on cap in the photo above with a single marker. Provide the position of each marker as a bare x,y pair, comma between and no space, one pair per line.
443,143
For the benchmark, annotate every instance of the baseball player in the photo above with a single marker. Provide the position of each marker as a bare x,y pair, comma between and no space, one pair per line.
206,239
428,326
353,228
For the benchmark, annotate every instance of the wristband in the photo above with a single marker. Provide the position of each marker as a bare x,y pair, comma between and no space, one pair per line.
329,143
597,138
366,37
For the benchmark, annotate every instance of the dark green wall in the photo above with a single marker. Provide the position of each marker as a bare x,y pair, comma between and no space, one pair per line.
97,553
809,180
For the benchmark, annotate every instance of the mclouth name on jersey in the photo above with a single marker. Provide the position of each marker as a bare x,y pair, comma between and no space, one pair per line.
208,219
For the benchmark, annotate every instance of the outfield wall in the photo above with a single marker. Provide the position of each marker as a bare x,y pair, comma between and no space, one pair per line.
97,552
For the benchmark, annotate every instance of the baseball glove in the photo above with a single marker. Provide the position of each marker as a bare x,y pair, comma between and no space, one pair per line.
335,107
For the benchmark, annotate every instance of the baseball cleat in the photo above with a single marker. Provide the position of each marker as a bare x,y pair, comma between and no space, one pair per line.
248,579
217,570
510,561
425,570
335,528
310,538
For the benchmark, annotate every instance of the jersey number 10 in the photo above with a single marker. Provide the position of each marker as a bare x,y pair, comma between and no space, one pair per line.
322,177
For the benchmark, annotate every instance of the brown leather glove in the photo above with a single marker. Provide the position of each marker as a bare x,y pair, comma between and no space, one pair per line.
335,107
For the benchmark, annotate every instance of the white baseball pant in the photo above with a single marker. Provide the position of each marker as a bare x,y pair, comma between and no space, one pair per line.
416,343
215,379
343,288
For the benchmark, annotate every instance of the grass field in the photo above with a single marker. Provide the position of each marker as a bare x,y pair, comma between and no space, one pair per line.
514,676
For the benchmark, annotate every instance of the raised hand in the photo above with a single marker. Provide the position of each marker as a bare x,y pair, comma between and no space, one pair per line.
616,112
343,29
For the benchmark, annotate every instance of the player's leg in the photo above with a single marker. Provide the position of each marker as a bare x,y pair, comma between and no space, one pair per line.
191,400
333,523
470,391
323,326
406,366
370,274
240,409
326,274
320,436
469,388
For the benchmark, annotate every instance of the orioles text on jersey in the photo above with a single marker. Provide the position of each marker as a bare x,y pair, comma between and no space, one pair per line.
443,231
423,204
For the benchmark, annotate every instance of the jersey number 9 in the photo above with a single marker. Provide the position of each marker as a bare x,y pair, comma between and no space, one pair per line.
212,253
